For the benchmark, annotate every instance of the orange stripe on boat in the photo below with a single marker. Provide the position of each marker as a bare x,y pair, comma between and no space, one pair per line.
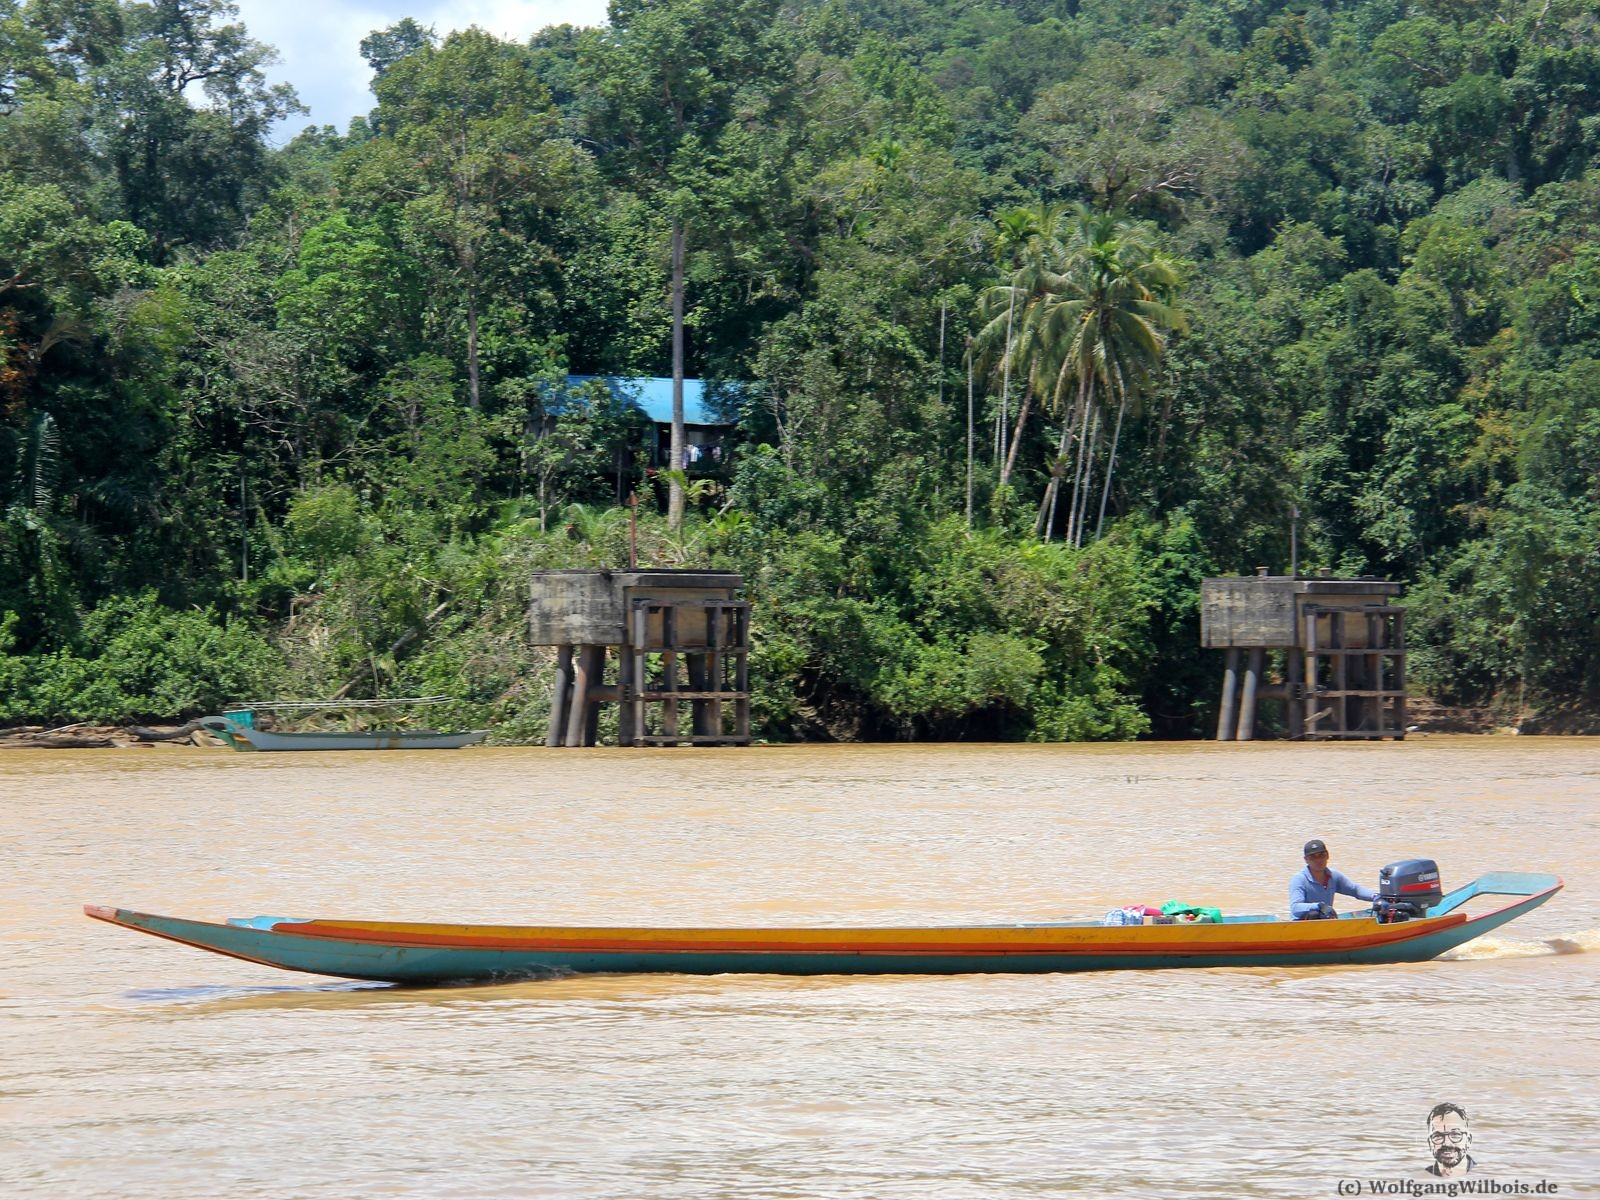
1274,937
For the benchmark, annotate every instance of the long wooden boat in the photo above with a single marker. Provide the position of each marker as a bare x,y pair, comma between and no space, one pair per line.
399,952
247,737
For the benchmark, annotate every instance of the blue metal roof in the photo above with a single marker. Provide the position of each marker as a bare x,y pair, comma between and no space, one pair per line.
654,398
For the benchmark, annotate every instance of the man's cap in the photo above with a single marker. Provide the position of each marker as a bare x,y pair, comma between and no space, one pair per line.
1316,846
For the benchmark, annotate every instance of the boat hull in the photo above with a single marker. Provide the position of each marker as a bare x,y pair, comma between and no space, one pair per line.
430,954
241,737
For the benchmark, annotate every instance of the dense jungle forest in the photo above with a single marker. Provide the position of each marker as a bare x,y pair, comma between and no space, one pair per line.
1037,312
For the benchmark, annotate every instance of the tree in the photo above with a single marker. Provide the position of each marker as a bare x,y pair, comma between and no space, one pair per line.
1037,254
1027,241
1101,329
382,48
676,83
476,159
1128,135
186,167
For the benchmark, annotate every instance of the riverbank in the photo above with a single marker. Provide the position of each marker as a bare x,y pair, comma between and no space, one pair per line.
1427,719
84,735
1426,716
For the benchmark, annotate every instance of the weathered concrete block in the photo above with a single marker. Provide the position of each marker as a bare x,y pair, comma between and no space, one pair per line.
591,607
1266,611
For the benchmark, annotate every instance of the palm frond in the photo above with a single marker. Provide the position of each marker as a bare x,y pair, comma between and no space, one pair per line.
38,471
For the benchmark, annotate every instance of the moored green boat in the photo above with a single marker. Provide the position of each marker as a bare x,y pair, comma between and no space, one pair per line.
237,728
247,737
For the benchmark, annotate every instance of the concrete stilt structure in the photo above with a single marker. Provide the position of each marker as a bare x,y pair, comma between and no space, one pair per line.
1247,701
681,637
1340,644
559,695
1228,713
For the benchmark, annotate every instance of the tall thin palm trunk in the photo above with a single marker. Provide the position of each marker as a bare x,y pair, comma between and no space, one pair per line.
1111,466
969,433
675,445
1045,522
1087,453
1047,506
1078,465
1005,377
1016,436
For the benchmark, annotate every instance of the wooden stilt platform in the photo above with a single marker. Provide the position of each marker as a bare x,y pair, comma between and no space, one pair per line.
1335,646
680,642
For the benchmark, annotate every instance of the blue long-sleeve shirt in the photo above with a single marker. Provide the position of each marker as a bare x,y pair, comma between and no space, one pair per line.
1307,896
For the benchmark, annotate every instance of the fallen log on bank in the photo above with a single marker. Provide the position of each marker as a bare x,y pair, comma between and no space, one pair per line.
164,735
37,739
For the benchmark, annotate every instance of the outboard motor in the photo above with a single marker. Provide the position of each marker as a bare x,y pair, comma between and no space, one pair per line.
1407,889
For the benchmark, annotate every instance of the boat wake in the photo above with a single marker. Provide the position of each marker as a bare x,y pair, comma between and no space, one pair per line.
1587,942
219,991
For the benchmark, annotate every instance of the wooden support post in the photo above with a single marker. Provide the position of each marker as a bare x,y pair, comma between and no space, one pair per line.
1373,708
1313,682
1247,702
698,682
669,669
699,679
578,717
741,684
625,690
641,669
1341,669
1308,640
560,692
1230,680
1294,677
1399,645
597,675
715,616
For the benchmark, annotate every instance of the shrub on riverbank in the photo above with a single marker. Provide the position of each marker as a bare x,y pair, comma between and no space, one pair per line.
135,660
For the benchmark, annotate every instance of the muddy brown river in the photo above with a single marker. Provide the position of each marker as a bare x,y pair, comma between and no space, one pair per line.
132,1067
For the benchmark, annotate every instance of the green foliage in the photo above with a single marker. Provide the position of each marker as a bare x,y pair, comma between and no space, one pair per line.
471,173
352,290
326,524
193,108
956,637
385,47
297,419
136,659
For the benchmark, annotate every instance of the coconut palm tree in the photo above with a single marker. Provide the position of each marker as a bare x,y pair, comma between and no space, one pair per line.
1102,329
1013,230
1011,345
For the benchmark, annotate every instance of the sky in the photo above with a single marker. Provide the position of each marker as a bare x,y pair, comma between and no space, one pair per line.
319,41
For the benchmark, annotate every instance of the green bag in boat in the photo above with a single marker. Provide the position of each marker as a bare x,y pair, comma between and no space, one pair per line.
1177,908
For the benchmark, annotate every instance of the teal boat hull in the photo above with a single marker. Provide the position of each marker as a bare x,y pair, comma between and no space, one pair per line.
248,738
358,950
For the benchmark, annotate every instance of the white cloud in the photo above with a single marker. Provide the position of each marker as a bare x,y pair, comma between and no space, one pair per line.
320,42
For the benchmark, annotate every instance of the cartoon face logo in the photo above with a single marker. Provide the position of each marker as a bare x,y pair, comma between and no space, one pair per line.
1449,1140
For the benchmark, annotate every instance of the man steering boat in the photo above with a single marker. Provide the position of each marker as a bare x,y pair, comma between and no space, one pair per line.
1311,892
